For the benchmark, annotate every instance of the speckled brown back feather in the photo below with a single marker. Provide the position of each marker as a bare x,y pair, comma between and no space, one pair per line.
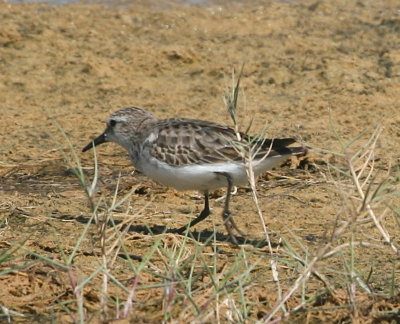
189,141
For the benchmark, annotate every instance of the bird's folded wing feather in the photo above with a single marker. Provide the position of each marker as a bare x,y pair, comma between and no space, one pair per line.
187,141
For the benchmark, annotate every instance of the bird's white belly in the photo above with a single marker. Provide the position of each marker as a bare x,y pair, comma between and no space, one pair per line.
202,177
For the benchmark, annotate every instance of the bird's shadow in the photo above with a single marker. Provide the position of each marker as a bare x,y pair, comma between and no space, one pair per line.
204,236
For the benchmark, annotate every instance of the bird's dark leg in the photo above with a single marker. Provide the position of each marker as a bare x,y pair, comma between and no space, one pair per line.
203,215
236,227
226,215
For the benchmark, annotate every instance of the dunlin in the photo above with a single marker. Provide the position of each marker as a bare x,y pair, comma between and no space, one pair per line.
192,154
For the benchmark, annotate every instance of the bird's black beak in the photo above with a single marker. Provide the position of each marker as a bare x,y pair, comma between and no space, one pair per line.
97,141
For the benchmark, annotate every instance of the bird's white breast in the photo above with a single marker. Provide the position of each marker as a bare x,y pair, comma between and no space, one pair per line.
202,177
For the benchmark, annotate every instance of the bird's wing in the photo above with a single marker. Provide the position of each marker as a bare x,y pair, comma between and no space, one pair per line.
189,141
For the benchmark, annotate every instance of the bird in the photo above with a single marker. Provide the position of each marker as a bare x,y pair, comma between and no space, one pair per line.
193,154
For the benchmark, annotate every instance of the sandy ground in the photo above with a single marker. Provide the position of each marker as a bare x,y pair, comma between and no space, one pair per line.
312,70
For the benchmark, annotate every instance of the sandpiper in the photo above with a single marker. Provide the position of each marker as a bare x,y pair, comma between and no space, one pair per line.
192,154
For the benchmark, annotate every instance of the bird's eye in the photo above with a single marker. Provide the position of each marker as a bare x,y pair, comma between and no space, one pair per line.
113,122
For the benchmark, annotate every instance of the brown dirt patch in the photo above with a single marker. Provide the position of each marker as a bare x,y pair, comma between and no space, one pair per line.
76,64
